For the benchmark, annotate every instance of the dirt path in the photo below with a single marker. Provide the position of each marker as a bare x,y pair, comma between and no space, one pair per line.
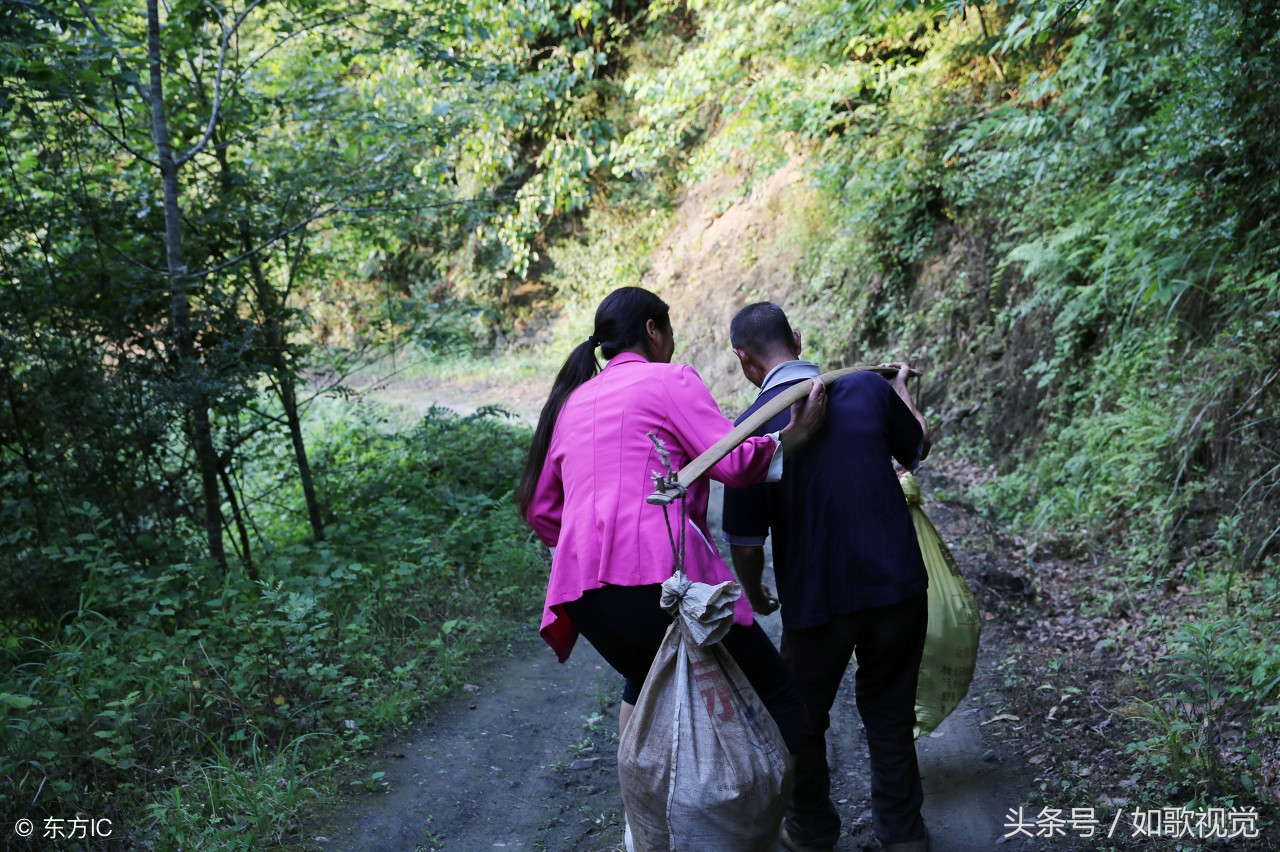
502,775
464,396
527,761
969,781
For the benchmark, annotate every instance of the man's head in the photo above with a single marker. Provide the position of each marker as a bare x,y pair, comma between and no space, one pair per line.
762,339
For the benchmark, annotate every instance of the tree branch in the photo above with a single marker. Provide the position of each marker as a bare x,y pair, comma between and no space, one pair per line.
281,42
111,134
227,33
131,259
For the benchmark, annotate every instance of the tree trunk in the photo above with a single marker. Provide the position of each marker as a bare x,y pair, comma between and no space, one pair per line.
289,399
286,387
180,309
28,459
237,515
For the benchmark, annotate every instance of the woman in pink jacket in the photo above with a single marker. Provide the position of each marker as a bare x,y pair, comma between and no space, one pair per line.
584,487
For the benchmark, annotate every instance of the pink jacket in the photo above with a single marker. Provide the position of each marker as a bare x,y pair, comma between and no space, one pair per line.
590,499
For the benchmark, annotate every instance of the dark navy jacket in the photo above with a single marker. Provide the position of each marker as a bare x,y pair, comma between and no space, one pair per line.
842,534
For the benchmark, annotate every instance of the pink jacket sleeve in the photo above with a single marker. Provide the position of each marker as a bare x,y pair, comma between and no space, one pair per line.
696,418
547,506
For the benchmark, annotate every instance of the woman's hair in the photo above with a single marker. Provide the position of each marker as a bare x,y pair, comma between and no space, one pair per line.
620,324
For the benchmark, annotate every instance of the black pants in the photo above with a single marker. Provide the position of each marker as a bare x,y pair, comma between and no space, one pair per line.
626,624
889,641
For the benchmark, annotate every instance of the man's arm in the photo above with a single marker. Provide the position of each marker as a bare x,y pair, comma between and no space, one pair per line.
748,564
899,383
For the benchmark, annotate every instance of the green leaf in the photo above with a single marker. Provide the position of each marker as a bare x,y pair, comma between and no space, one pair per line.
16,702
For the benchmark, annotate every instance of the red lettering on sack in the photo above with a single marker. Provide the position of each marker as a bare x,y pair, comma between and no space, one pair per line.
714,690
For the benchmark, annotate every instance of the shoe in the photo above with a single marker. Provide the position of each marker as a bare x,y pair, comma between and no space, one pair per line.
798,847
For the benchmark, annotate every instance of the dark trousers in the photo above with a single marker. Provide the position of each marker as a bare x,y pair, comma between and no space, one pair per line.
889,641
627,624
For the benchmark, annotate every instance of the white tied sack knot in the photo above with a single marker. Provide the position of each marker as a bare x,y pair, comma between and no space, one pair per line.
705,612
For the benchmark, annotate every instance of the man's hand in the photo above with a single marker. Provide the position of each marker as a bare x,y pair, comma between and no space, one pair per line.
763,601
899,381
748,563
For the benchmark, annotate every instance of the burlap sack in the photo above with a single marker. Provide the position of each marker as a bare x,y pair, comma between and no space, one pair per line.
702,764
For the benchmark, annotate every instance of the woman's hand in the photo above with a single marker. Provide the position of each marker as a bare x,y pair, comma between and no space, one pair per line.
806,418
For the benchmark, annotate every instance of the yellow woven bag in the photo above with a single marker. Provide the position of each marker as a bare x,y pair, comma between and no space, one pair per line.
951,645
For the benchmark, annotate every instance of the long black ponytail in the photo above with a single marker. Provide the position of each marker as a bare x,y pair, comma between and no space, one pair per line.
621,323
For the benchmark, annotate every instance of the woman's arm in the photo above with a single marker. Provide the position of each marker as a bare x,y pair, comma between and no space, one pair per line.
547,505
697,423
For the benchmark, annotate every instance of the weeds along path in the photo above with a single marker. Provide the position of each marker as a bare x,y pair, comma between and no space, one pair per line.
525,758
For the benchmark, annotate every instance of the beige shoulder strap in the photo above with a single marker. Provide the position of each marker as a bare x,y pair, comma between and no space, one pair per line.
761,416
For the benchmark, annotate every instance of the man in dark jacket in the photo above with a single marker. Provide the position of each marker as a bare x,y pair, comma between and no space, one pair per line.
849,573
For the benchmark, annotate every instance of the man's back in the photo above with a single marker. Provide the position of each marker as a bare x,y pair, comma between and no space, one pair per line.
842,535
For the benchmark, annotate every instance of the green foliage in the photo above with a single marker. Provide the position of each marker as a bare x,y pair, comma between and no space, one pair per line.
1067,212
1217,670
1137,252
613,251
346,176
234,804
208,707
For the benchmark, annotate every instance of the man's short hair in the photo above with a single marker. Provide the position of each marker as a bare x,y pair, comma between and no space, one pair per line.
760,329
